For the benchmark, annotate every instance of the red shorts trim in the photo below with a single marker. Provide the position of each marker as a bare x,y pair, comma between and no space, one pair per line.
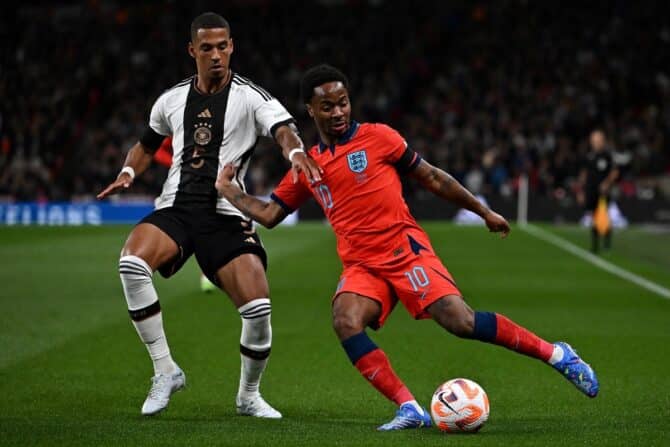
417,281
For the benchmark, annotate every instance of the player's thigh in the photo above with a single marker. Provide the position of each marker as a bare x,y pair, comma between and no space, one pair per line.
420,282
362,295
243,279
163,239
151,244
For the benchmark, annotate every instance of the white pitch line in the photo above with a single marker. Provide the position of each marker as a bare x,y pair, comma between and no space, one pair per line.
595,260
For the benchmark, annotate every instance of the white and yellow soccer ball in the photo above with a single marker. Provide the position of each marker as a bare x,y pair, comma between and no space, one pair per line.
459,405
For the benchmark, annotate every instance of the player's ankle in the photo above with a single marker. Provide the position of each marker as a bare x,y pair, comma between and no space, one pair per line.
164,365
247,395
556,356
415,405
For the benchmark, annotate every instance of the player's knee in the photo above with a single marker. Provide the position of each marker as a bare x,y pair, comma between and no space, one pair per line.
256,328
134,269
243,279
136,278
347,324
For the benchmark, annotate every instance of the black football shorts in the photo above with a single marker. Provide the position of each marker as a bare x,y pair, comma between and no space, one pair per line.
214,238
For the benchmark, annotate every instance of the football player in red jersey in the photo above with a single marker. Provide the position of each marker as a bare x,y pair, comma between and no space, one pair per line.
386,256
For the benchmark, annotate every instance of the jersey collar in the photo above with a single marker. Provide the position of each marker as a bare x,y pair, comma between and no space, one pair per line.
344,139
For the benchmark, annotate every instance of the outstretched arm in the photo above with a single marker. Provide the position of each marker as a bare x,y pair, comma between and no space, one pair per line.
268,214
137,161
445,186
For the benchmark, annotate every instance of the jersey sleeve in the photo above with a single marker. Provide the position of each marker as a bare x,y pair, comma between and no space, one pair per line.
290,195
268,112
157,120
398,153
158,127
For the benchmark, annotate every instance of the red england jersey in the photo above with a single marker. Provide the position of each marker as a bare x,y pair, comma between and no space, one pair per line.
361,192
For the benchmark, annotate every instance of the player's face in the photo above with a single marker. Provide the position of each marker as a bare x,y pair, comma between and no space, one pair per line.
331,109
597,141
211,50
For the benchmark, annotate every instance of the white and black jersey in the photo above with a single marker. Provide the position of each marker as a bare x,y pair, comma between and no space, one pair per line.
209,131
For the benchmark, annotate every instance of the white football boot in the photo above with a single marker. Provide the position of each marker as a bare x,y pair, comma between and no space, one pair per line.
256,406
162,387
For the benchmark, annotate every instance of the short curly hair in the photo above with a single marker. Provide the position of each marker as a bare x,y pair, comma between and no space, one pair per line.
317,76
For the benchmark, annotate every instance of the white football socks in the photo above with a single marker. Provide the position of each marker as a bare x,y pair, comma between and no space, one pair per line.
152,335
255,343
144,310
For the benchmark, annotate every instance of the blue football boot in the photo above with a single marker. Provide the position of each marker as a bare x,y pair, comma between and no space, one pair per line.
577,371
407,417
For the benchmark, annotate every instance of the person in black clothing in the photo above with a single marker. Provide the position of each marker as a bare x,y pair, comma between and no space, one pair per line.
597,177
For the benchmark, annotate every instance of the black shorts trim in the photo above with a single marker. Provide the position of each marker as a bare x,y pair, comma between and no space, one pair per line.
259,251
210,272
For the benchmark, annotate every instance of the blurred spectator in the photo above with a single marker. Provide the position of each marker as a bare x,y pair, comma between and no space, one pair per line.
486,90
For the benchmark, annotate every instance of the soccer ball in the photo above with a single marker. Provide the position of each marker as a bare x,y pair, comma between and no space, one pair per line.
460,405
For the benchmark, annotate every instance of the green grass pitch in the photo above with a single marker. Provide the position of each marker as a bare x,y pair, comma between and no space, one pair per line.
73,372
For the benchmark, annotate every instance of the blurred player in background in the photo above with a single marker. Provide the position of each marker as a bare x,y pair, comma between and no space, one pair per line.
596,178
214,118
386,255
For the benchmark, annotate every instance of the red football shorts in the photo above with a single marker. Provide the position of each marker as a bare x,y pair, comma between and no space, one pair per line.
417,281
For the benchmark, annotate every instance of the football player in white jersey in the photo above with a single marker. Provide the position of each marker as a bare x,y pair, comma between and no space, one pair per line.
214,118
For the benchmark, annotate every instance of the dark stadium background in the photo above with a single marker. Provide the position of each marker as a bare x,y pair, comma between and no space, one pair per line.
487,90
491,91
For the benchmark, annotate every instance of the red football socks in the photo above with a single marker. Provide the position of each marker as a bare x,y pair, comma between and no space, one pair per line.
376,368
514,337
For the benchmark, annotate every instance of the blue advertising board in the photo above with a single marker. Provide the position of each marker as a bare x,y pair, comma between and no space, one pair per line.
66,213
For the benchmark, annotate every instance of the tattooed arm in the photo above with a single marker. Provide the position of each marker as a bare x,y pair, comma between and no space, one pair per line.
268,214
445,186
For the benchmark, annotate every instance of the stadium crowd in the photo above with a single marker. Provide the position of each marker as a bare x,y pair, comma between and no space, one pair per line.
485,90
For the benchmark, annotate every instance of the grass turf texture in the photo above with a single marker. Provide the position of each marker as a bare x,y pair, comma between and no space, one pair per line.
73,372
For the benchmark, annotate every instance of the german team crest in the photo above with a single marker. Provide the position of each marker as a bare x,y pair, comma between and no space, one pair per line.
358,161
